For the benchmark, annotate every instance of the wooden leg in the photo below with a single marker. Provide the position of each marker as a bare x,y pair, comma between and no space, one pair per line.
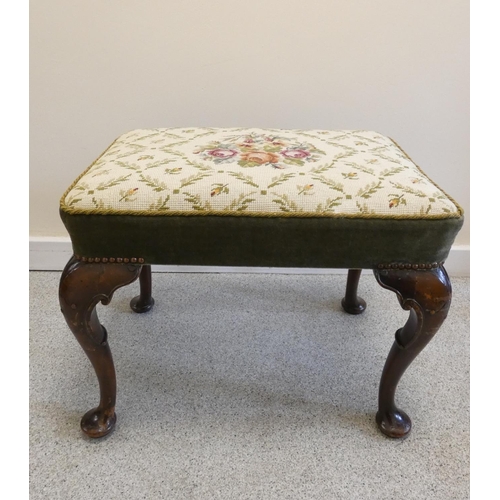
351,303
427,295
81,287
143,302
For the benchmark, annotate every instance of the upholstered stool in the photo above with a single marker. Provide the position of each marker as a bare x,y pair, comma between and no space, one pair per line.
254,197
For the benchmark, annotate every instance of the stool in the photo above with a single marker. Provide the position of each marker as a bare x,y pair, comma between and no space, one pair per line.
349,199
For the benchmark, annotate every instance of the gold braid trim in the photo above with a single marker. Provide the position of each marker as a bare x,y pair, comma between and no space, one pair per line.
277,215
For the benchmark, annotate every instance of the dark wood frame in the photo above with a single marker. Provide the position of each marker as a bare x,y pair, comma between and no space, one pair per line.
423,290
83,285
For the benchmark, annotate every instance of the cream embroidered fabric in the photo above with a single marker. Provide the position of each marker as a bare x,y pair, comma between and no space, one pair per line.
257,172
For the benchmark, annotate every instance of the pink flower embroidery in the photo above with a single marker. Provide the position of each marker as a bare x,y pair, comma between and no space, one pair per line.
222,153
295,153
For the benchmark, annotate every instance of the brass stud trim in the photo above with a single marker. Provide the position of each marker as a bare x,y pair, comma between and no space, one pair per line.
111,260
406,265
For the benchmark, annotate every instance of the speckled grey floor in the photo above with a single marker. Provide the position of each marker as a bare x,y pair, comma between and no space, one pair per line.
241,386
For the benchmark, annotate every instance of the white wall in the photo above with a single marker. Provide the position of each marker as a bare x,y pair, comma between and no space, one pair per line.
99,68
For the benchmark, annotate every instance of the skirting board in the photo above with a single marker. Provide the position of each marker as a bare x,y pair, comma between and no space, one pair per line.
52,253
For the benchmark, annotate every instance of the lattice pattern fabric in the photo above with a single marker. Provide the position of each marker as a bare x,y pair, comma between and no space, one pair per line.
257,172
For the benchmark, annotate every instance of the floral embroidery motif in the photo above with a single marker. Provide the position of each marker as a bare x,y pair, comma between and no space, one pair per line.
268,172
219,188
305,189
394,202
252,150
127,195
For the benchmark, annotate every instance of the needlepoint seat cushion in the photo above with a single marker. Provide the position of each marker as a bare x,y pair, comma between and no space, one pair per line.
259,197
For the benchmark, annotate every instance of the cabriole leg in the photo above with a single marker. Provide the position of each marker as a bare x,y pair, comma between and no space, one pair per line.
81,287
143,302
351,303
427,295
